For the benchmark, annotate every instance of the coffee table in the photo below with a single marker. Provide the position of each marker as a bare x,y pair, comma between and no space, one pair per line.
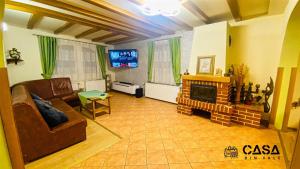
95,102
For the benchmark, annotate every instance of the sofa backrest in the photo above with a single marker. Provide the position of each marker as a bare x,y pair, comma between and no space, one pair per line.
50,88
61,86
29,122
40,87
25,111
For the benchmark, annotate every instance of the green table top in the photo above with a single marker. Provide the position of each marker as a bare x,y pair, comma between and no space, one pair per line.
93,94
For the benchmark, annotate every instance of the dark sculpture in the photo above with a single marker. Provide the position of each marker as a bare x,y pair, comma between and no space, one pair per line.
268,92
243,93
249,96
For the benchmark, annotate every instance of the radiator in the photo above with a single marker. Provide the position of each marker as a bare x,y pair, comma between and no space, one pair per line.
95,85
162,92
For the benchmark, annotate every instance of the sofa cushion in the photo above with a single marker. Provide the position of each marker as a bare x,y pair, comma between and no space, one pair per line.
61,87
36,97
52,116
73,115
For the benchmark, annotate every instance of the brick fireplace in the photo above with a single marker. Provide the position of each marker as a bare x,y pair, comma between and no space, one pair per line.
212,94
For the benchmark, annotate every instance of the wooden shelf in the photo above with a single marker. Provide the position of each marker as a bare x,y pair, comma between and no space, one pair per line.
15,61
258,108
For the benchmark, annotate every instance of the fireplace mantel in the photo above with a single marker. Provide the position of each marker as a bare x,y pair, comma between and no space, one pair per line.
208,78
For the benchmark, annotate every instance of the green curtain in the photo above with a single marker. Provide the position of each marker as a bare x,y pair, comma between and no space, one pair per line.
150,59
102,59
175,48
48,51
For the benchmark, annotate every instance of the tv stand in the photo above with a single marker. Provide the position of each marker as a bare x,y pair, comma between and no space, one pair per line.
125,87
126,83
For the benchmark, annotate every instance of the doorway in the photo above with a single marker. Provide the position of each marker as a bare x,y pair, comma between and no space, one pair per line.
288,134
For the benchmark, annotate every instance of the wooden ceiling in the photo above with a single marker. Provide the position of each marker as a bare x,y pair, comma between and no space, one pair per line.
120,21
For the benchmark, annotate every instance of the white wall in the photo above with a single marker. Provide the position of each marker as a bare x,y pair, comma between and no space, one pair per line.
26,43
210,40
139,75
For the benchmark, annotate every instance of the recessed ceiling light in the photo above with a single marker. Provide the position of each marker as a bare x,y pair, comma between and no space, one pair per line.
161,7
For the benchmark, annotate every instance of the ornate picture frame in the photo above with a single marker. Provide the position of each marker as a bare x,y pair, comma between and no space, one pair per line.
206,65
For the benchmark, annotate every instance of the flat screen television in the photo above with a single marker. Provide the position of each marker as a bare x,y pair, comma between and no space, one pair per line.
125,58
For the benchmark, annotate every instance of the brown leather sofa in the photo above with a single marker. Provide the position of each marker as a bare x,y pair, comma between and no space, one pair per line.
36,138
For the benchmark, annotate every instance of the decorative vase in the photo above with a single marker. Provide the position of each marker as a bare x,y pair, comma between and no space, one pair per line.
238,93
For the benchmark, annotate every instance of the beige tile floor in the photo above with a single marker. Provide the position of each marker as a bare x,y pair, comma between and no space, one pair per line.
155,136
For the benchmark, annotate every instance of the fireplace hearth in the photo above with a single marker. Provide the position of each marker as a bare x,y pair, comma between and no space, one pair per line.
201,113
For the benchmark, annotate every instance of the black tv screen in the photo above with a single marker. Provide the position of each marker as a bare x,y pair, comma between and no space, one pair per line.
126,58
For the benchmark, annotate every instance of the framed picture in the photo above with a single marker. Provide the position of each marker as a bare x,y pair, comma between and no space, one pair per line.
205,65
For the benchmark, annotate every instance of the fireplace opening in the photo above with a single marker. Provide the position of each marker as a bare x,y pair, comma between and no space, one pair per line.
203,93
201,113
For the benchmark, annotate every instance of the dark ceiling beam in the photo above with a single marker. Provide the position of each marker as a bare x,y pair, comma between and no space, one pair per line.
195,10
34,20
63,28
235,10
87,32
106,19
171,19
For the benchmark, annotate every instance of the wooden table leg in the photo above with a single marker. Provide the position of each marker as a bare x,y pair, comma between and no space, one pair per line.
109,111
94,115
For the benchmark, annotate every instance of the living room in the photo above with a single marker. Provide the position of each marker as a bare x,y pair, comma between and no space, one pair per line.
150,84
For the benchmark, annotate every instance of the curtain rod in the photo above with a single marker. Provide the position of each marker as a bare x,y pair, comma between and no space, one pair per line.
167,38
71,40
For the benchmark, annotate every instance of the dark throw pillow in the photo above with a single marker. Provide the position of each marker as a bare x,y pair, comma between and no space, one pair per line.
51,115
36,97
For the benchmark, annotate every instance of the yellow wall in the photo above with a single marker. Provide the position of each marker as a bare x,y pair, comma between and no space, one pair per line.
257,43
4,155
289,57
266,43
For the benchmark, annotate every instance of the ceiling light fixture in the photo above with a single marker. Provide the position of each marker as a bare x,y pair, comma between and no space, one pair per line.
4,26
161,7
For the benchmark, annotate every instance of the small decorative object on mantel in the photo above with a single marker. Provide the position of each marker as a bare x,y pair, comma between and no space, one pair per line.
219,72
186,72
14,56
268,92
230,72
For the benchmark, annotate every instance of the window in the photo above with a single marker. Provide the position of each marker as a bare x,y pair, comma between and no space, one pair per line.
162,64
77,60
90,64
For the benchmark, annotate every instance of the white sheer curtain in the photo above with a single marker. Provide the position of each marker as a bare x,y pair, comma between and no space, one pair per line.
77,60
162,66
91,67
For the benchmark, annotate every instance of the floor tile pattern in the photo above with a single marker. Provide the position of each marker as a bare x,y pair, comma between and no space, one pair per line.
155,136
